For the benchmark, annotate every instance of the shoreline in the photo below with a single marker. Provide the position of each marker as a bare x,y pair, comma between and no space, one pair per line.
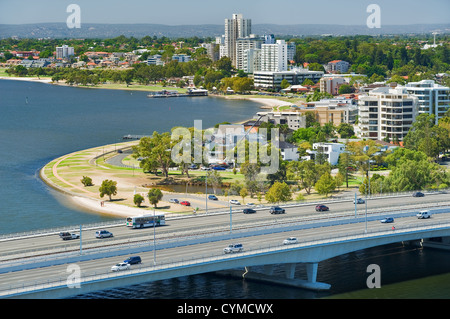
266,102
90,201
29,79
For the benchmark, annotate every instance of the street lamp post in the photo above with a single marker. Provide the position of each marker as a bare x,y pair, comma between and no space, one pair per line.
81,247
154,237
366,212
231,219
367,188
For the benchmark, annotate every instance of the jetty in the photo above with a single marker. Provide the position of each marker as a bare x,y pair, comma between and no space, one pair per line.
167,94
133,137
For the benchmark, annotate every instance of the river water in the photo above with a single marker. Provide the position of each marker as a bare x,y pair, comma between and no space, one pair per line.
40,122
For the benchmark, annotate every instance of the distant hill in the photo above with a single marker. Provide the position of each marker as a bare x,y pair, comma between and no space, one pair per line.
90,30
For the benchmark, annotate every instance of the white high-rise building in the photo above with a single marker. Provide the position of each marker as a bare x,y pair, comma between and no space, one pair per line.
433,98
291,50
243,44
235,28
64,52
274,57
251,60
386,113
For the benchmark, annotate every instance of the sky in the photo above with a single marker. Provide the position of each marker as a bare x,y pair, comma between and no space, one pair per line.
181,12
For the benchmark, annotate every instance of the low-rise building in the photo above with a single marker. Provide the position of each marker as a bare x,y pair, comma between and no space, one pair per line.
337,66
294,120
272,80
337,110
325,151
181,58
331,85
41,63
220,142
155,60
289,152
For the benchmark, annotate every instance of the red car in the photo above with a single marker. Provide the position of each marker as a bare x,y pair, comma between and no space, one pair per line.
185,203
321,208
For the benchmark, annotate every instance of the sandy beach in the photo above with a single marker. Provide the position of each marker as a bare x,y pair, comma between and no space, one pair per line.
43,80
270,102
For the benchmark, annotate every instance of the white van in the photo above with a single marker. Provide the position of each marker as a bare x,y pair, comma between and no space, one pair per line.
423,214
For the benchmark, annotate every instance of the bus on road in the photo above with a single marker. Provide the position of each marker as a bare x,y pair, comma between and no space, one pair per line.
149,220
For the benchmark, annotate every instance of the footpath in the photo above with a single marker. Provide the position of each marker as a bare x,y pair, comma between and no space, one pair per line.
65,173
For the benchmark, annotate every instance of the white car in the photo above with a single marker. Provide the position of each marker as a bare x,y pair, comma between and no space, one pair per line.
103,234
290,240
121,266
233,248
423,214
235,202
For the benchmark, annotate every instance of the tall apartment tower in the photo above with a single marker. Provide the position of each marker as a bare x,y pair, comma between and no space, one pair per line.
64,52
274,57
235,28
244,44
386,113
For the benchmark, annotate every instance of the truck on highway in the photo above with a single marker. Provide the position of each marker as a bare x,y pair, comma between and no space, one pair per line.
68,236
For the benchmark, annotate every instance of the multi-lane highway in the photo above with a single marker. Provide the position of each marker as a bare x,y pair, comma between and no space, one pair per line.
213,223
29,249
207,250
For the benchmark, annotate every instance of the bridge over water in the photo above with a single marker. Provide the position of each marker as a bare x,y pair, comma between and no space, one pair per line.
183,252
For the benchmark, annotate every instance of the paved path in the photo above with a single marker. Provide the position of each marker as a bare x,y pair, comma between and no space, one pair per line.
117,159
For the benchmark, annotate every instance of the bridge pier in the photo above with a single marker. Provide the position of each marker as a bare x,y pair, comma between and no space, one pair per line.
436,243
288,279
290,270
311,272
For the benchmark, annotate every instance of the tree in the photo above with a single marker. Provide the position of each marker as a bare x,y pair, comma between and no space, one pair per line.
224,65
344,164
361,152
325,185
155,151
279,192
424,136
345,130
346,88
108,187
285,84
243,193
214,179
415,175
86,181
138,199
250,172
306,173
154,196
339,178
